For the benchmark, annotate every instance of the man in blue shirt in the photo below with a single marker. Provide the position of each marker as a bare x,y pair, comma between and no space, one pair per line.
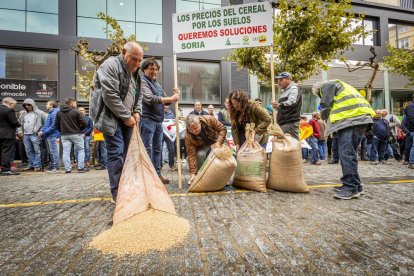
51,134
153,101
87,131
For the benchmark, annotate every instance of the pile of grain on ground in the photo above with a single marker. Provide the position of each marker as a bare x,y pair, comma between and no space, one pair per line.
150,230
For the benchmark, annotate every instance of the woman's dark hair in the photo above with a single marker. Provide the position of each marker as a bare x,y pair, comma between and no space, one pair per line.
149,62
243,99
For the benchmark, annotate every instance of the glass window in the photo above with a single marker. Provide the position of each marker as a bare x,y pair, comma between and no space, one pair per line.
122,9
149,32
404,43
149,13
89,8
34,80
89,27
401,3
368,26
15,4
400,100
127,27
202,82
42,23
186,6
49,6
12,20
401,36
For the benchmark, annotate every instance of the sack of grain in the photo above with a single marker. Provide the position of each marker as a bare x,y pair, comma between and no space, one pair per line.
215,171
286,167
140,187
251,164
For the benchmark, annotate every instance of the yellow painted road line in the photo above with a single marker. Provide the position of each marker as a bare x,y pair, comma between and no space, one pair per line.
39,203
86,200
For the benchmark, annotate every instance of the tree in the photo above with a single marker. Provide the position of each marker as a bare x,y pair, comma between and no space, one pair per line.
307,35
116,35
401,62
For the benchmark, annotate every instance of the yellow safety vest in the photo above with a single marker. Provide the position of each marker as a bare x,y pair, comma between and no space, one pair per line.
348,104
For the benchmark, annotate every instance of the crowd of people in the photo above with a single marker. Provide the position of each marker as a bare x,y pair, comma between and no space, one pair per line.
121,100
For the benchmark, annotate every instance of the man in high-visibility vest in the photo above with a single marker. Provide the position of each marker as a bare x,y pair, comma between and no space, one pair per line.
348,114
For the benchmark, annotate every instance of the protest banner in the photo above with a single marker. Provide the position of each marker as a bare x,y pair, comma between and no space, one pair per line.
239,26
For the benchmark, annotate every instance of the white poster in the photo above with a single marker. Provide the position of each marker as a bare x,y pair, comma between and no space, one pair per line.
238,26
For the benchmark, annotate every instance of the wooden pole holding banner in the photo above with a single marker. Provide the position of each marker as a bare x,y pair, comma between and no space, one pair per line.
177,125
272,76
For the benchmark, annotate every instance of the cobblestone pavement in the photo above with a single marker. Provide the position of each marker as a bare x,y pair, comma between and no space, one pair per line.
46,220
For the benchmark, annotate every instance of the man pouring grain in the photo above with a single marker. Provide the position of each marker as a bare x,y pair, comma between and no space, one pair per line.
203,132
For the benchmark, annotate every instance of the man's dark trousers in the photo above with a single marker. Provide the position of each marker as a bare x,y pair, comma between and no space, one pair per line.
6,153
117,147
348,139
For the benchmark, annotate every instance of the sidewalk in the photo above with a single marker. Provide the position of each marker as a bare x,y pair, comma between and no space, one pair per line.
46,221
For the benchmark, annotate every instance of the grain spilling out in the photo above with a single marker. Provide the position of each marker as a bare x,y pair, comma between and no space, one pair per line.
150,230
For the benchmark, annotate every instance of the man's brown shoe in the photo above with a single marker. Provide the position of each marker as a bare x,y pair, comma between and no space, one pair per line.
164,180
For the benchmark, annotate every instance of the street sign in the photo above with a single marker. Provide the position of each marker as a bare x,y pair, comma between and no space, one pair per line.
237,26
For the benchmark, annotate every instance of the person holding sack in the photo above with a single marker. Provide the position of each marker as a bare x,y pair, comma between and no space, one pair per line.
203,132
244,111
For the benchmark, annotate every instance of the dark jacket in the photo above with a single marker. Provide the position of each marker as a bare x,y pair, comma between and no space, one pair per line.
49,129
8,123
87,130
381,128
194,112
69,120
212,129
112,83
152,107
409,114
289,109
224,117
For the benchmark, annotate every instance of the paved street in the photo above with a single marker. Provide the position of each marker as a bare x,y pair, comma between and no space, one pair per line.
46,220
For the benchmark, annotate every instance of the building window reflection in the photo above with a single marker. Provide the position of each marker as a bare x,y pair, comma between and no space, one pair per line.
195,5
136,17
401,35
36,16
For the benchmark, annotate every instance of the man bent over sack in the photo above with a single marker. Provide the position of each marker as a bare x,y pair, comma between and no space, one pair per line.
203,132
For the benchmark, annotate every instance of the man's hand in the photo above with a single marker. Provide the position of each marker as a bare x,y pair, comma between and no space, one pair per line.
130,122
137,117
275,104
192,177
40,134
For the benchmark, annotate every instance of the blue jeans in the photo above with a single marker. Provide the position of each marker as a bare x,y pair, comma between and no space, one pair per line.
32,146
411,160
348,155
335,152
389,151
313,142
101,153
87,147
53,148
152,137
378,148
79,143
171,150
117,148
322,149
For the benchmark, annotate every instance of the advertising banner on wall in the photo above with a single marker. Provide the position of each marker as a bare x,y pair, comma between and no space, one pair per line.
238,26
33,89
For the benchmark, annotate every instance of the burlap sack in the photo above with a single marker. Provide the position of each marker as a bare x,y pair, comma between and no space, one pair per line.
140,188
286,167
251,164
215,171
